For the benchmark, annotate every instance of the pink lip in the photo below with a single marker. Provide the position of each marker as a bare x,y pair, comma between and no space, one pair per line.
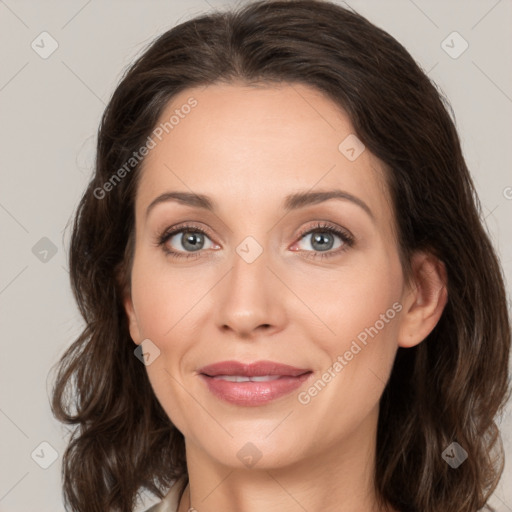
253,393
259,368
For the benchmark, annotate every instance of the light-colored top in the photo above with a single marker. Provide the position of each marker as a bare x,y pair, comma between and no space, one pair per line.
170,501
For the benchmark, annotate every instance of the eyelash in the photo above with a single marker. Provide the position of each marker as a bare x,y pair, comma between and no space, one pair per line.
347,239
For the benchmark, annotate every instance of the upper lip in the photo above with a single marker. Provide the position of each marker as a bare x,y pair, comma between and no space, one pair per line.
256,369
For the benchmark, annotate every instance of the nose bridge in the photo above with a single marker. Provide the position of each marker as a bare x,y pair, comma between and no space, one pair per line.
250,296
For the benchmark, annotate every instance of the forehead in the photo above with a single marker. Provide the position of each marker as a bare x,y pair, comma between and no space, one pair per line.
257,143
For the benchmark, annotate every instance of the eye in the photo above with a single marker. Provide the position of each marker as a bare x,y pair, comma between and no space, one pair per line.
191,241
184,241
322,239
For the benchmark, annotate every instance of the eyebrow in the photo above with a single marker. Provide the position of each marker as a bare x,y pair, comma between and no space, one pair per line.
291,202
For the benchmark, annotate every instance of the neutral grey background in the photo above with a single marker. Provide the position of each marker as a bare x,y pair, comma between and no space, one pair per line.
50,110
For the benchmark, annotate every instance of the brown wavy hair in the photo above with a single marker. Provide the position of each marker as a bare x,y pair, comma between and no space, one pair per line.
451,387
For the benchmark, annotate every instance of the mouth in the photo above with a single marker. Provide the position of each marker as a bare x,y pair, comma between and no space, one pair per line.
252,384
243,378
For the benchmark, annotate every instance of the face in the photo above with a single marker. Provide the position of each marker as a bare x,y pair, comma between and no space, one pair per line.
263,274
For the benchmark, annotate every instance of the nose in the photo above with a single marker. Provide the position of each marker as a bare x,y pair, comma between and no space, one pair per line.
251,299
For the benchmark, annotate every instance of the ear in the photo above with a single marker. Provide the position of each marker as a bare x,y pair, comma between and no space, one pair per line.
132,320
424,299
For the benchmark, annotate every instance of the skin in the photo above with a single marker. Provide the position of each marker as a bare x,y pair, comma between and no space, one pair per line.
247,148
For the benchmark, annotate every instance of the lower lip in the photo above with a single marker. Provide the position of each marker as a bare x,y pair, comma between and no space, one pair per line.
254,393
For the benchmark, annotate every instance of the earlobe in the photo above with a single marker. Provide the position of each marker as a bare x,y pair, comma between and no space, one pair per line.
424,301
132,320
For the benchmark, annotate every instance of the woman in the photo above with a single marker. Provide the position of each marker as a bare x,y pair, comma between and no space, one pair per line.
285,281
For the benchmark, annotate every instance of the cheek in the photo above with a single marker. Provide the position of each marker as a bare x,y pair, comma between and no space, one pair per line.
360,311
162,298
161,305
349,300
359,362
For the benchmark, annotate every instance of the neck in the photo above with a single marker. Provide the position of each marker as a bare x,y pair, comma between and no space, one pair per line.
337,480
